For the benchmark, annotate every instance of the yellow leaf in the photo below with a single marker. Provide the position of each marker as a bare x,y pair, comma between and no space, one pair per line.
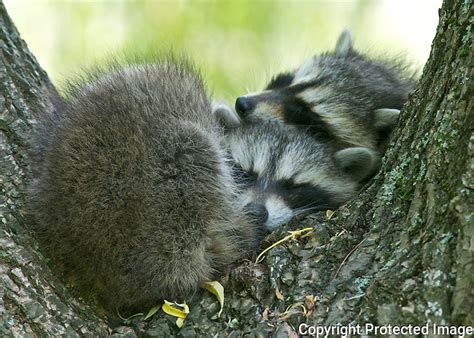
176,310
180,322
329,214
217,290
152,311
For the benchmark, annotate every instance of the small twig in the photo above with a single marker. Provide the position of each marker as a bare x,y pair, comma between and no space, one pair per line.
128,318
354,297
288,312
293,234
347,257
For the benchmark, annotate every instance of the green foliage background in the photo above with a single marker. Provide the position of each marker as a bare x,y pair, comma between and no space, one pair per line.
238,44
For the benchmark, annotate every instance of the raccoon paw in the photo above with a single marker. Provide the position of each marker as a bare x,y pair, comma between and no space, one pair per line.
386,118
226,116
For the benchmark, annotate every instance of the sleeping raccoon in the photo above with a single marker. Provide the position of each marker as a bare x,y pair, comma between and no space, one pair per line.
344,97
133,197
315,135
283,171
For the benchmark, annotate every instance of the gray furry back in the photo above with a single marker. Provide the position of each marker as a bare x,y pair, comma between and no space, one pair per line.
133,200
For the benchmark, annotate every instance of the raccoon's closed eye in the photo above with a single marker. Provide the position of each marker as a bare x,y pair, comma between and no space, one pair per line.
280,81
287,184
242,176
308,196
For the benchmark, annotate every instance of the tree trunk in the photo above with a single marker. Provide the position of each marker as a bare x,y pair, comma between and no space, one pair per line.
399,254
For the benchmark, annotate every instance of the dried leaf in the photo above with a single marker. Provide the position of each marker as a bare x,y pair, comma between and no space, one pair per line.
217,290
309,302
265,313
278,294
176,310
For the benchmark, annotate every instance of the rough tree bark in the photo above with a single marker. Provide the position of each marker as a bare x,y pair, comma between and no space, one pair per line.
401,253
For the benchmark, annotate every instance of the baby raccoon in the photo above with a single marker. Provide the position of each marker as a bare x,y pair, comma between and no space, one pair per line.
315,135
344,97
133,197
283,172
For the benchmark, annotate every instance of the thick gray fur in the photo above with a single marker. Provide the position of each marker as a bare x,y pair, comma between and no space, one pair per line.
132,198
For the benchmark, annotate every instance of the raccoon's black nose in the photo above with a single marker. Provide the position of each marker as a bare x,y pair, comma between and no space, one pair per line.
257,212
244,105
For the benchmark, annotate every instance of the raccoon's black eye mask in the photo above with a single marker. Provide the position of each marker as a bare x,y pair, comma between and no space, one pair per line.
280,81
304,195
242,176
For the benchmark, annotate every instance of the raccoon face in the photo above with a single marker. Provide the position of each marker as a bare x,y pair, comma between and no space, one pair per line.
283,172
341,96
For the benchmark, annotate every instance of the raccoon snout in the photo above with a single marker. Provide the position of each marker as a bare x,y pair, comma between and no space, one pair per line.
244,105
258,212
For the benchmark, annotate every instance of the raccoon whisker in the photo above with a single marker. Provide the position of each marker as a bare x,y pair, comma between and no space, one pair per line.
302,210
311,205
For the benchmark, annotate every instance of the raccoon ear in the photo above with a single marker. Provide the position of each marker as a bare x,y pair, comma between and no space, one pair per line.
386,118
357,162
344,43
225,115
